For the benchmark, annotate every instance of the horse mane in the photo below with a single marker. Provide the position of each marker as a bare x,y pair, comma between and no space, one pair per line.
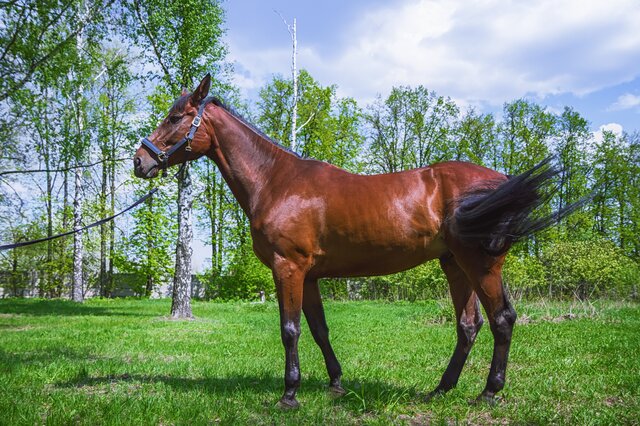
220,103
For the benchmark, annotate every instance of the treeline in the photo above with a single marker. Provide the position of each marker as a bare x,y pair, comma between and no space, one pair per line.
76,97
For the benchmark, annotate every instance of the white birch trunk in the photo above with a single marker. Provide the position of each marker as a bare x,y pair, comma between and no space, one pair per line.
294,74
78,249
181,304
77,284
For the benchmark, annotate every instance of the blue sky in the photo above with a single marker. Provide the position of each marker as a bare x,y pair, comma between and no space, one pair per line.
584,54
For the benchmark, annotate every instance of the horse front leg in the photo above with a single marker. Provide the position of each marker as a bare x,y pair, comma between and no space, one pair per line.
289,279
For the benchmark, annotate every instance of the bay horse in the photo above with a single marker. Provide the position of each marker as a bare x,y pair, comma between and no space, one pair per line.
311,220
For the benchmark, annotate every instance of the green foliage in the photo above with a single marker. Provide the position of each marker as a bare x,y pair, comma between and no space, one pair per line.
524,275
146,252
183,37
423,282
245,278
475,136
411,128
40,37
329,126
524,132
590,268
582,269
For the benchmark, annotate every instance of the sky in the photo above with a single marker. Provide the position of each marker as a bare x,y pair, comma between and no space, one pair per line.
584,53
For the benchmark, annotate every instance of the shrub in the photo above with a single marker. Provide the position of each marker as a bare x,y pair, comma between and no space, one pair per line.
590,268
426,281
524,276
245,279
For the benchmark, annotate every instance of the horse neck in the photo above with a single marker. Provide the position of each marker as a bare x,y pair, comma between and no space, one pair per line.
247,161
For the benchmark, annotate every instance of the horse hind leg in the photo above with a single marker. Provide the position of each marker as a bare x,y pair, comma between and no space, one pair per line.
314,313
468,323
501,322
485,274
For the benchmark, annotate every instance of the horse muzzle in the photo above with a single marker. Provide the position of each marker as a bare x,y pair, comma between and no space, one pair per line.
145,168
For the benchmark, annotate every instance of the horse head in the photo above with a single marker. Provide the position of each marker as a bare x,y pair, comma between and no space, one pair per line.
177,138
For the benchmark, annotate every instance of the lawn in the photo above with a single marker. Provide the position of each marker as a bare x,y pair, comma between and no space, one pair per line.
125,362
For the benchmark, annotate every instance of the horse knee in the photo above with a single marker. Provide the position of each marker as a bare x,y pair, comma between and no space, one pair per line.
290,332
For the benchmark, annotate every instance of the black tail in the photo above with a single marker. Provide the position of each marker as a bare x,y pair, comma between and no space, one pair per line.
498,217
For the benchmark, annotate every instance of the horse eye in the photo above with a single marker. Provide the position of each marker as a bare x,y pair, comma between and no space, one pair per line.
175,118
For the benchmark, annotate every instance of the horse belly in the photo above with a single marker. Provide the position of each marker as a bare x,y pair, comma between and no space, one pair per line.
359,260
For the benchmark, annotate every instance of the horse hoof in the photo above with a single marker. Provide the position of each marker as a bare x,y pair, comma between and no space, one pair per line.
486,398
433,395
288,404
337,391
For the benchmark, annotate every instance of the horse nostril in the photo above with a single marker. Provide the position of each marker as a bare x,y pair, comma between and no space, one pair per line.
137,161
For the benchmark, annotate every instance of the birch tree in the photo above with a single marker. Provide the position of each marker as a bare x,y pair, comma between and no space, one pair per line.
294,78
182,37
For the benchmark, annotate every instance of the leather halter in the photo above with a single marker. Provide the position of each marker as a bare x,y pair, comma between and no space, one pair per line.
163,156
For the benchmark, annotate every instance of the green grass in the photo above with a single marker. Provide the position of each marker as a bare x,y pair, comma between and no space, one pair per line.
124,362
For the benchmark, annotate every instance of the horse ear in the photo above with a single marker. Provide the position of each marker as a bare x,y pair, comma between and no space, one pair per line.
184,92
202,91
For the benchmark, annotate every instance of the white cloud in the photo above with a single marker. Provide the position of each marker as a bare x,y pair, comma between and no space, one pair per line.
626,101
614,128
482,51
492,50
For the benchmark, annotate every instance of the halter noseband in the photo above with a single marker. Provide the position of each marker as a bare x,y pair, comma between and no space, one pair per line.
163,156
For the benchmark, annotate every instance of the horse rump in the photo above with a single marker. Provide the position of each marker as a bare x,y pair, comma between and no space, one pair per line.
497,214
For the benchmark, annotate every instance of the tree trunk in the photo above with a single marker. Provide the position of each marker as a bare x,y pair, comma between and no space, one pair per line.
220,231
210,194
78,281
181,305
294,74
112,226
150,283
103,230
77,286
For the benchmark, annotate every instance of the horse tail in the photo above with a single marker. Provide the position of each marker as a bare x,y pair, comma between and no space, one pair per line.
496,217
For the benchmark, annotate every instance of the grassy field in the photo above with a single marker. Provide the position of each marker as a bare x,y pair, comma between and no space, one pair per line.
124,362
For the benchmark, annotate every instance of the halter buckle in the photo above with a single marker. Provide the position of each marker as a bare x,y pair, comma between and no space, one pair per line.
196,121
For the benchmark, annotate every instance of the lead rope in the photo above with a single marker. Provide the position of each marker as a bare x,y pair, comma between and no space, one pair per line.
91,225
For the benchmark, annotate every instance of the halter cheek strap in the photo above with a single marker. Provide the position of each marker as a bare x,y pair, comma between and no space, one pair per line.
163,156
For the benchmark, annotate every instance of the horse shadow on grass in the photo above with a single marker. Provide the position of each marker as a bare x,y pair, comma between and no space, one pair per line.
358,392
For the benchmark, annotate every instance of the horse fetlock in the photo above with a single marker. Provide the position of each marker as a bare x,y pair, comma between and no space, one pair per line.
495,383
292,379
